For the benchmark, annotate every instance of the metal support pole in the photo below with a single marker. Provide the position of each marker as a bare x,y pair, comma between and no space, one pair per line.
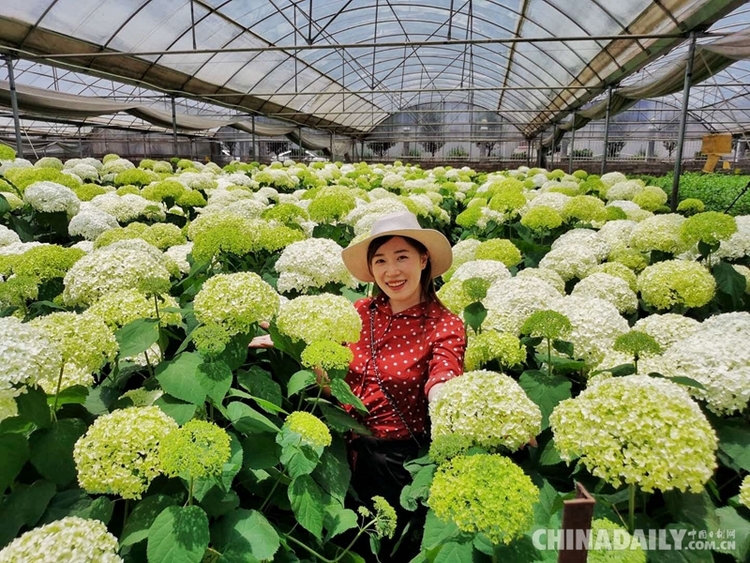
572,143
14,106
683,124
333,159
174,127
554,144
80,143
606,131
299,140
252,121
528,152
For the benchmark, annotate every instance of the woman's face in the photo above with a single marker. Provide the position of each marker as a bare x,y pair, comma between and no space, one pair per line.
397,267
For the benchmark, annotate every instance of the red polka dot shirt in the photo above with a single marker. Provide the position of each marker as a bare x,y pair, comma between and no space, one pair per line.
415,349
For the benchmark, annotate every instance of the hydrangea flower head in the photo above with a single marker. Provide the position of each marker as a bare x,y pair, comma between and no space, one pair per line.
73,539
196,450
584,208
710,227
28,354
667,328
119,453
600,549
488,408
570,261
650,198
511,301
691,206
630,258
331,204
311,429
609,288
235,302
121,307
51,197
312,263
660,232
313,318
385,518
630,445
618,270
745,491
484,493
637,344
46,262
547,324
676,283
501,250
86,344
542,218
327,355
491,345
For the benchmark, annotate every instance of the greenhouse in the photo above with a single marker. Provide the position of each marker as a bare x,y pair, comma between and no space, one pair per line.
360,281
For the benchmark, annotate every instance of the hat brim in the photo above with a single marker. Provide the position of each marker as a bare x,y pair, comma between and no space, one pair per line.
438,247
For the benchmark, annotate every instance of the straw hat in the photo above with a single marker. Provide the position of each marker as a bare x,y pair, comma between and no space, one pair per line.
401,224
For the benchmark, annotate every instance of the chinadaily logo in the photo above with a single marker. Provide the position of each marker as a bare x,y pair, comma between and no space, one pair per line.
674,539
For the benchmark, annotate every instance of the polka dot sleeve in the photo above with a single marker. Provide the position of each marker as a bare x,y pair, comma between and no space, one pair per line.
448,350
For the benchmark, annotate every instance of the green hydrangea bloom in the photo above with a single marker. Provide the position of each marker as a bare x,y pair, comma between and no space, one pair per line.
629,445
210,340
630,258
198,449
507,200
448,446
580,174
614,213
691,206
24,177
331,204
235,302
135,177
547,324
660,232
484,493
385,518
492,345
285,213
121,307
602,540
166,235
488,408
584,208
6,152
72,539
124,190
745,491
87,192
542,218
86,344
311,429
501,250
475,289
191,198
313,318
46,262
327,355
650,198
159,191
469,217
49,162
637,344
110,157
134,230
185,163
119,453
676,283
710,227
616,269
18,291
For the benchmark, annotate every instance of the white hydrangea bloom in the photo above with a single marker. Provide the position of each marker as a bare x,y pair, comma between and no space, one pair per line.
129,207
91,222
86,245
17,247
626,190
221,197
660,232
7,236
738,245
240,179
632,210
85,172
489,409
609,288
463,251
196,180
617,233
6,165
585,237
313,318
71,539
179,254
544,274
611,178
116,166
510,302
310,263
570,261
555,200
363,226
667,328
490,270
51,197
267,194
596,324
27,354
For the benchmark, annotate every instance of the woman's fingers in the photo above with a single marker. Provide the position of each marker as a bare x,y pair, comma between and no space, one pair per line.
263,341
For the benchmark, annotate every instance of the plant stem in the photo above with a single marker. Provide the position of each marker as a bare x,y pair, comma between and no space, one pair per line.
125,515
631,508
273,489
57,392
190,492
549,358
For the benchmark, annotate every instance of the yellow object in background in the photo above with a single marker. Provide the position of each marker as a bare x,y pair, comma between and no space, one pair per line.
714,146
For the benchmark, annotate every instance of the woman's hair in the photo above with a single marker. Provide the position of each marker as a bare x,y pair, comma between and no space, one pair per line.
425,281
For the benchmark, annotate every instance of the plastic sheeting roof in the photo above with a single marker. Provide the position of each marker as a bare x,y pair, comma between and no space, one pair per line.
346,65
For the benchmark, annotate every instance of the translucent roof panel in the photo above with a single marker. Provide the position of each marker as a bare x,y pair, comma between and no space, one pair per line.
347,65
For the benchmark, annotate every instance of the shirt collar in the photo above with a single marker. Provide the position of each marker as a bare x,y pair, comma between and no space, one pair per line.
429,310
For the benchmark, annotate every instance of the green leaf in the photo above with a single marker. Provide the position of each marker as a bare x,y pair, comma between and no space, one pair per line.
33,407
734,441
680,379
340,420
52,450
24,507
143,516
180,411
178,535
618,371
453,552
521,550
76,502
137,336
333,472
692,508
180,378
260,451
217,502
215,378
235,352
14,452
549,454
299,381
730,282
341,390
547,505
545,390
337,520
564,347
418,489
730,519
249,421
75,395
437,532
4,205
474,315
307,501
260,384
228,471
100,399
246,532
297,458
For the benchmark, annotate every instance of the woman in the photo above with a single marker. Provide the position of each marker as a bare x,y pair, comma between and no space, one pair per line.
410,345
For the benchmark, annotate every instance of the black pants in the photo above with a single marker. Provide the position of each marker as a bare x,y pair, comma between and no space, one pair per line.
378,470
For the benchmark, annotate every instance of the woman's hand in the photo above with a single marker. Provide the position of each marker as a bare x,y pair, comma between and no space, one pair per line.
262,341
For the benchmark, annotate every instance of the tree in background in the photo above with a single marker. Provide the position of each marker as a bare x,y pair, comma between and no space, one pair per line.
379,148
614,148
432,129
